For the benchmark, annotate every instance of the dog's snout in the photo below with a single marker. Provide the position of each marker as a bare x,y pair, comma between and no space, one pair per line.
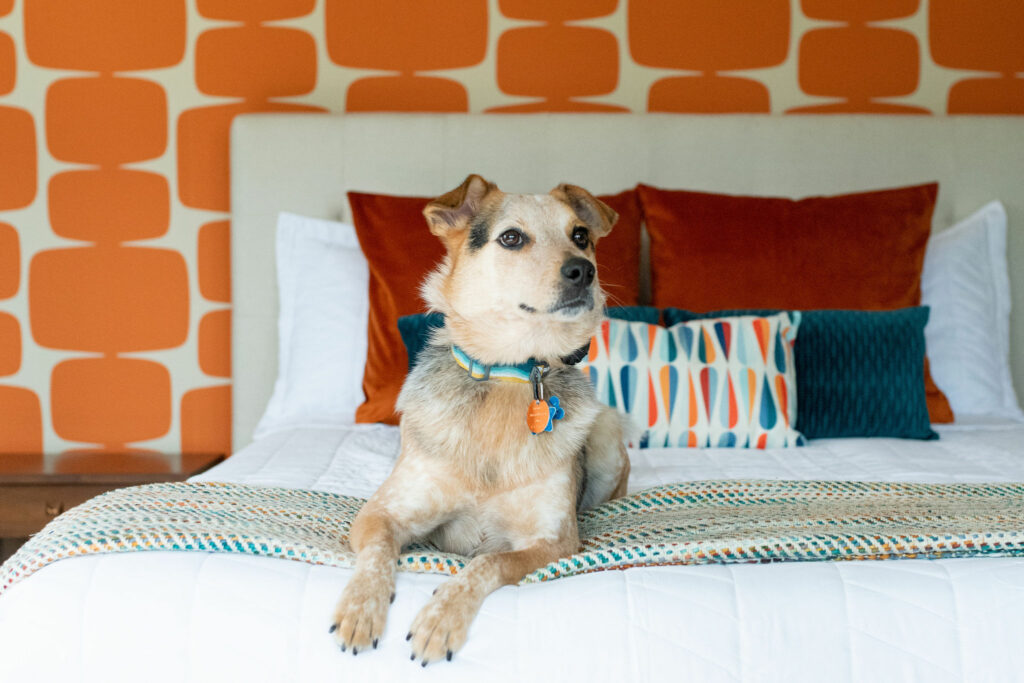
578,271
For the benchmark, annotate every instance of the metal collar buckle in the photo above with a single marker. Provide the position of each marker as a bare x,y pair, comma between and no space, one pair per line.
537,380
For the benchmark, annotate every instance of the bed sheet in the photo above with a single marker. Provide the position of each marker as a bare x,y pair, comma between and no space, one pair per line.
195,616
355,460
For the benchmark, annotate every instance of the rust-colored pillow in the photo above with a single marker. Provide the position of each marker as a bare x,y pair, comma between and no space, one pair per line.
401,251
858,251
618,253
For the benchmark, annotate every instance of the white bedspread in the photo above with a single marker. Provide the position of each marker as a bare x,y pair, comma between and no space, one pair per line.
194,616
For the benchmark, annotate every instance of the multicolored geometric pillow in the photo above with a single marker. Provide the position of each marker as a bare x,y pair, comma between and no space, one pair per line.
723,382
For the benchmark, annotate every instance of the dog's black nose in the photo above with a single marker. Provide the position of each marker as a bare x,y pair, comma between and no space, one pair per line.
578,271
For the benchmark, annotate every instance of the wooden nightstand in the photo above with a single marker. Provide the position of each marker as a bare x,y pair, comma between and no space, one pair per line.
34,490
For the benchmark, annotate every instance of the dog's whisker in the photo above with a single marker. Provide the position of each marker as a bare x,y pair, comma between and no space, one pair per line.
611,298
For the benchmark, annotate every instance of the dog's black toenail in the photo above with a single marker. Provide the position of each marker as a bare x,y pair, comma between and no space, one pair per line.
355,651
449,656
343,648
375,643
424,664
333,628
408,636
412,657
392,597
435,591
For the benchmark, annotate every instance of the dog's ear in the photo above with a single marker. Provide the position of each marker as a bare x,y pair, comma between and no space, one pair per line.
597,215
453,210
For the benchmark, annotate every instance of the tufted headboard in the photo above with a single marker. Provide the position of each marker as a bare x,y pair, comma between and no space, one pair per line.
305,163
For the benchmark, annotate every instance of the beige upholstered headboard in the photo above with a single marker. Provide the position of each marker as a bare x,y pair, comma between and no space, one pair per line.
304,163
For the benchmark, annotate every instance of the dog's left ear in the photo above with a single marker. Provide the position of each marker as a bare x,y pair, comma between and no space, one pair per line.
453,210
597,215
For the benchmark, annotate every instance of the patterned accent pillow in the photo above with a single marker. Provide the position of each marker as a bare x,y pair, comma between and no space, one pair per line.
724,382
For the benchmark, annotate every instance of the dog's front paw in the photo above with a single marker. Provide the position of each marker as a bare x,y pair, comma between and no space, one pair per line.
361,613
440,629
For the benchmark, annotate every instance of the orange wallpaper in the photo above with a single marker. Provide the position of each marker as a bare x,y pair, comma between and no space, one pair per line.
114,291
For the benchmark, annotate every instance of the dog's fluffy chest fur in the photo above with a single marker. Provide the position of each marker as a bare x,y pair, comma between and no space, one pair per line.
496,521
478,428
510,486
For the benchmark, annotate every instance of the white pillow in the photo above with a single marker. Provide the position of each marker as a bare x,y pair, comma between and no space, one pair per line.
322,281
965,283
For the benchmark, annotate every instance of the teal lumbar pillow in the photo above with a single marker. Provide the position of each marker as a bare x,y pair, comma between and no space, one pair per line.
858,373
415,331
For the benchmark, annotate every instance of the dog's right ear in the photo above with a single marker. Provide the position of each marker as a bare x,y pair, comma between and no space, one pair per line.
453,210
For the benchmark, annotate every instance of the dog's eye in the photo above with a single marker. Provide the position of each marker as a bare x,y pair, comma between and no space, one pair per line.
512,239
581,237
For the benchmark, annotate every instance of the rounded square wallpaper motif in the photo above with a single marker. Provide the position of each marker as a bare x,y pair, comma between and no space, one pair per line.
115,302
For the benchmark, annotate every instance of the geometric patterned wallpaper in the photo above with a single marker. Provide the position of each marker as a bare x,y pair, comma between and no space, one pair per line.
115,304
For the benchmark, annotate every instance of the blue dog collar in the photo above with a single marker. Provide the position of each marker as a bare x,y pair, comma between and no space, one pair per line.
543,410
505,373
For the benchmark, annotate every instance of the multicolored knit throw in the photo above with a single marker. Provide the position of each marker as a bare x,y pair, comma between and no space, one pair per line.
700,522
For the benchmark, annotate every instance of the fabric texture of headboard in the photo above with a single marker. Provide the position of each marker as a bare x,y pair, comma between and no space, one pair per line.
305,163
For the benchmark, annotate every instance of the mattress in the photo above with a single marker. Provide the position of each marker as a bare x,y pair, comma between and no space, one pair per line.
196,616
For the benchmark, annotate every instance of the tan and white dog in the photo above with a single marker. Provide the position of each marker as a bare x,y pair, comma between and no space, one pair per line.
518,282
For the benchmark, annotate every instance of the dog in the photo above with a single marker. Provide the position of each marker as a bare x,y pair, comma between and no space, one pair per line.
475,475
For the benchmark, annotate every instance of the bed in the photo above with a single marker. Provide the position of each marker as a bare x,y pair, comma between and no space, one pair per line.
202,616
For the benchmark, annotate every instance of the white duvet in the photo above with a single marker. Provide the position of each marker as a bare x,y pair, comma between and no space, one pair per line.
193,616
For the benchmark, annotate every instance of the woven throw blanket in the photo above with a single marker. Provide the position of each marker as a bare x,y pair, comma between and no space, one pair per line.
699,522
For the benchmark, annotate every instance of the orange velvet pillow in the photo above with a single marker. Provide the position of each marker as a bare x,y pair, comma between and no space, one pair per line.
858,251
401,251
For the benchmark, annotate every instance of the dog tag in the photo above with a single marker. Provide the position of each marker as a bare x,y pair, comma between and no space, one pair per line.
542,413
538,416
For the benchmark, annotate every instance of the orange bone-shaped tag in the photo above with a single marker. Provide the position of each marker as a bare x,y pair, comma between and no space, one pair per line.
537,416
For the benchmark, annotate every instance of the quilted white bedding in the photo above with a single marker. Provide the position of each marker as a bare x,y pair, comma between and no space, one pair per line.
194,616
